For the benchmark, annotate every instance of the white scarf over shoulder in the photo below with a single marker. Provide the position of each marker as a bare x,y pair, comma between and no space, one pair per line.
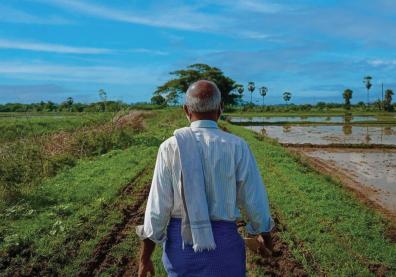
196,226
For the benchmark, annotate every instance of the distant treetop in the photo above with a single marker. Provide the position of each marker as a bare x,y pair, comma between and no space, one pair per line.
173,88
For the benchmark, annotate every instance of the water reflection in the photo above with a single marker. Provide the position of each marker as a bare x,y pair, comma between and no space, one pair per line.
368,138
388,131
347,129
286,128
318,119
328,134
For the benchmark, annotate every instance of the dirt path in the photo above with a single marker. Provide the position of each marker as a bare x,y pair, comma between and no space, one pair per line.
131,215
282,263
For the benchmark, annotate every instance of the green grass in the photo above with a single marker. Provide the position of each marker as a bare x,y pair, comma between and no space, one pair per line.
57,225
74,201
21,125
343,236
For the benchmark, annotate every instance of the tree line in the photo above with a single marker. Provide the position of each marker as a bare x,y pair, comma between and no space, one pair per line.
382,104
171,91
232,91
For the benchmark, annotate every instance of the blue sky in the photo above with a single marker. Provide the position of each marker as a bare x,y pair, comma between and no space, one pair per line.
52,49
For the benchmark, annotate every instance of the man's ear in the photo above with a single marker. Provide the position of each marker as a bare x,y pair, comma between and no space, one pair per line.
185,109
187,112
221,108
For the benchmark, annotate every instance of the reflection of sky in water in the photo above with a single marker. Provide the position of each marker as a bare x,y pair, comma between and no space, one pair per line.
374,169
335,119
329,134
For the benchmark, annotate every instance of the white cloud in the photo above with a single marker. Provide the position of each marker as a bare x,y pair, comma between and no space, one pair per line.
379,62
47,47
148,51
66,49
182,17
254,35
257,6
84,74
8,14
226,20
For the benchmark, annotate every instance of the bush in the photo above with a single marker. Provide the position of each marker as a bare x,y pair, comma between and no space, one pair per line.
20,163
58,162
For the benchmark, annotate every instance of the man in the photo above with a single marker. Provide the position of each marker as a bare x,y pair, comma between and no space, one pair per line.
202,177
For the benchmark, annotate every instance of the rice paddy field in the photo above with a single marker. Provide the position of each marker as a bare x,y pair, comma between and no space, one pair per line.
73,187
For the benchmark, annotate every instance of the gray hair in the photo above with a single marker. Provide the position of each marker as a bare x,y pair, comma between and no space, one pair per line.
209,102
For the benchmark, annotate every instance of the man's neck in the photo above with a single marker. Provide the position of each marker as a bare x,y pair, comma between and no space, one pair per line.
204,116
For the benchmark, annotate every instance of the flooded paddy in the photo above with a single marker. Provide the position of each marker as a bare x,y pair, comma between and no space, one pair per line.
363,158
328,134
298,119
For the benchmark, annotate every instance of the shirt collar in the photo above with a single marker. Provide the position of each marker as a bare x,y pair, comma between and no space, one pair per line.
204,124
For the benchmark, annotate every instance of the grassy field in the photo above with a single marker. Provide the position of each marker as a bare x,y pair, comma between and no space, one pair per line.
81,221
22,125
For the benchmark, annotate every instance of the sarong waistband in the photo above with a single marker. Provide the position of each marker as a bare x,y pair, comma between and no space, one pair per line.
216,224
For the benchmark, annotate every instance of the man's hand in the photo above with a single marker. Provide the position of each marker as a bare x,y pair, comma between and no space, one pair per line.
146,267
265,241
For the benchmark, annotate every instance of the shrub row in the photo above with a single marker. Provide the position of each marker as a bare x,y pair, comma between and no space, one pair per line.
26,162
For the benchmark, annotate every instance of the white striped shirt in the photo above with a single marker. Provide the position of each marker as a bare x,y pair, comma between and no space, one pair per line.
232,181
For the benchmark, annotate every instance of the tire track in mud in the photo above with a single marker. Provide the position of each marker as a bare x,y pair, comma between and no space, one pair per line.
132,214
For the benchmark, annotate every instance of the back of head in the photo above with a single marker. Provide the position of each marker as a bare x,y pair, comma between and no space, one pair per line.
203,97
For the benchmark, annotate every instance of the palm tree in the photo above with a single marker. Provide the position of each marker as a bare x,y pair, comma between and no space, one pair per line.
240,90
69,103
251,87
347,97
367,83
287,96
263,92
388,100
103,97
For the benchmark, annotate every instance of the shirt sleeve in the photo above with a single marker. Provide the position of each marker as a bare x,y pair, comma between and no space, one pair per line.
252,195
160,201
